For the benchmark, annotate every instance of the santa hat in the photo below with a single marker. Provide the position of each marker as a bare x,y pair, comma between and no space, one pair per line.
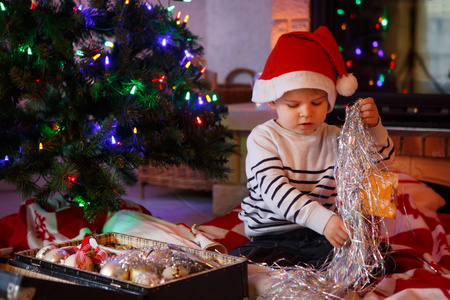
302,59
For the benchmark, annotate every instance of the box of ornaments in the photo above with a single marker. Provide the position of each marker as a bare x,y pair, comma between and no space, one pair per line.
138,266
21,281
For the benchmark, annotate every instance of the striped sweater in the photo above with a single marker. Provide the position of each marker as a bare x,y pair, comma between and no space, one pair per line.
290,177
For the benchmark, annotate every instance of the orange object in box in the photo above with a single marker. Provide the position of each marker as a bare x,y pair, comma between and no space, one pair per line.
383,195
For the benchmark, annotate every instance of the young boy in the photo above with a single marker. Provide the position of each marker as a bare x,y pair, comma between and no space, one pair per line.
290,213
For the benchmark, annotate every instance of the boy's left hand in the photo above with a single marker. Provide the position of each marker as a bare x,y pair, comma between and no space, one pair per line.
369,112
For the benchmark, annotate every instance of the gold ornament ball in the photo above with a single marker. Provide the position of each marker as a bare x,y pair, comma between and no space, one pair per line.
113,269
135,271
56,256
158,255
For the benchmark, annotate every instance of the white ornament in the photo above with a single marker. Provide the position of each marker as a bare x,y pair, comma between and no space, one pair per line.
147,278
44,250
174,272
75,262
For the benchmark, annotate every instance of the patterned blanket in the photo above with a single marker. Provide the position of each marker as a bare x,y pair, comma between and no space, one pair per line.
419,237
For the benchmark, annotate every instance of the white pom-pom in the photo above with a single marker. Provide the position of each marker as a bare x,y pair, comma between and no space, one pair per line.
346,85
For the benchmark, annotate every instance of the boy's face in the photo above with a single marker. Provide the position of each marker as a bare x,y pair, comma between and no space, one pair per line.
301,110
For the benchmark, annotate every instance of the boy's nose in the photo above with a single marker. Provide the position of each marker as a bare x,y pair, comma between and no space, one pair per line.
305,111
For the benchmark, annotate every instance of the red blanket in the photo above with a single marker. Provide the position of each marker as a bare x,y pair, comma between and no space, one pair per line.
419,237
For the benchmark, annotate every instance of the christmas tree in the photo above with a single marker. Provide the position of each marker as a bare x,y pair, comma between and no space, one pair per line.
361,29
89,93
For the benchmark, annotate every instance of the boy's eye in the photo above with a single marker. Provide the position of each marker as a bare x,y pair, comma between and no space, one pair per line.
293,105
318,102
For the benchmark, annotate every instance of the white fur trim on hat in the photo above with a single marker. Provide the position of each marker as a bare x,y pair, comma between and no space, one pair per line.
346,85
271,90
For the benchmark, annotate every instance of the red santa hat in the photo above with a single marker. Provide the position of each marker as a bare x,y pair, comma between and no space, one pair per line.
302,59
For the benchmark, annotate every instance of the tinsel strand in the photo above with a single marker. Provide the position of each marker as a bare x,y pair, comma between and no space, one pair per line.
355,265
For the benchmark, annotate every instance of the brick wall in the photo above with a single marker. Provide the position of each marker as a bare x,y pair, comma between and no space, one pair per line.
426,157
435,147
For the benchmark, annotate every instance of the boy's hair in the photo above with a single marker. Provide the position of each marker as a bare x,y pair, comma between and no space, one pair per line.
302,59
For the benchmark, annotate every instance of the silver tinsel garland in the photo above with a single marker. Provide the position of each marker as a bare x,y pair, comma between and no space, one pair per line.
354,266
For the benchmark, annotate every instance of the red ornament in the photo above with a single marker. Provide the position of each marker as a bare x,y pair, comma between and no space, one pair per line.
89,247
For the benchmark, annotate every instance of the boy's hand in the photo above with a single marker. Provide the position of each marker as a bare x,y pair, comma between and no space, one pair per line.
335,231
369,112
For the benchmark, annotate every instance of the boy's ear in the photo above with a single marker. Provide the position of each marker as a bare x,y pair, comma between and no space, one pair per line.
271,104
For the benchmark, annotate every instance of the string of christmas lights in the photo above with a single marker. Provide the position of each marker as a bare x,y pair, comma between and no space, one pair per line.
362,38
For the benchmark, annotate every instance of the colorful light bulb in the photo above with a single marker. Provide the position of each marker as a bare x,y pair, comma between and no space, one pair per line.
199,121
2,7
96,56
133,90
188,96
391,64
200,100
358,51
